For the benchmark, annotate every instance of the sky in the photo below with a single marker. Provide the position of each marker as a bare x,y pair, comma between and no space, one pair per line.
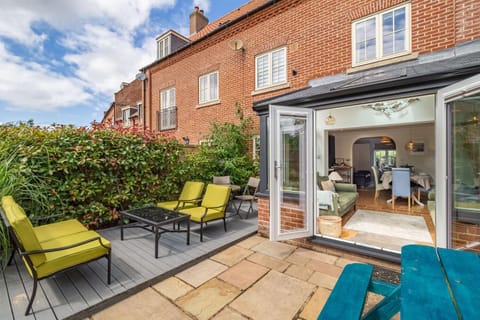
61,61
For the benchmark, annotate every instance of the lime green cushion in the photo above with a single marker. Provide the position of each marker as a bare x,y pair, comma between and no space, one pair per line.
8,201
191,190
59,260
58,229
216,196
197,213
24,231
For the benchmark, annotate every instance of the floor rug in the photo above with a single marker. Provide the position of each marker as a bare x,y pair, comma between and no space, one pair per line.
412,228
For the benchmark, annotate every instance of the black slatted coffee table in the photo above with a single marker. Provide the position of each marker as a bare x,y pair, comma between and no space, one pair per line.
155,219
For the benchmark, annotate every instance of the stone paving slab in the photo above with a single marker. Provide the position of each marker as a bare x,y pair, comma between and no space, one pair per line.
316,303
202,272
274,249
207,300
269,262
229,314
323,280
276,296
243,274
173,288
299,272
147,304
232,255
252,242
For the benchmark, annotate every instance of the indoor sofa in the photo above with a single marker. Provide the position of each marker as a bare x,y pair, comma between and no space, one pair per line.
344,198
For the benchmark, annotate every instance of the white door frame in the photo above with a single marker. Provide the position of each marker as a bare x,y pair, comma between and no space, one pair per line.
453,92
276,172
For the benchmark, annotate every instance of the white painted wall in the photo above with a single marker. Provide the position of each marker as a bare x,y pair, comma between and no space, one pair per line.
344,145
360,121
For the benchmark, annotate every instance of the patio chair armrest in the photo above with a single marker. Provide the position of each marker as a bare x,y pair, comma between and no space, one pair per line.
81,243
197,200
216,207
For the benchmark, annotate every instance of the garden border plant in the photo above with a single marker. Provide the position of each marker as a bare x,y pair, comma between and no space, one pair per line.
93,173
227,152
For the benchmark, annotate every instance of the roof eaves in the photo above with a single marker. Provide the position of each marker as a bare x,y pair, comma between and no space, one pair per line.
436,71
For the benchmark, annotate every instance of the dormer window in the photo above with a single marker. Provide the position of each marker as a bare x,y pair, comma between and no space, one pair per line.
163,47
381,36
169,42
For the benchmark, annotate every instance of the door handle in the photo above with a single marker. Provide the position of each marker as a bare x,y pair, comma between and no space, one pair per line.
275,169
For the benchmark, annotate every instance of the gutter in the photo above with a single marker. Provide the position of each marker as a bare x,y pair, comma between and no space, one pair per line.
216,30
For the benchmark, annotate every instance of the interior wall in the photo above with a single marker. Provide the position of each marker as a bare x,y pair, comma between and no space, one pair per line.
425,162
360,121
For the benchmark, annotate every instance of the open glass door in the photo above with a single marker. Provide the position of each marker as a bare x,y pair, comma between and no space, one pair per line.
462,166
291,174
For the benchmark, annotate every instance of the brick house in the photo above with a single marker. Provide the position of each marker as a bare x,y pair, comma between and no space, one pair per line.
127,108
340,77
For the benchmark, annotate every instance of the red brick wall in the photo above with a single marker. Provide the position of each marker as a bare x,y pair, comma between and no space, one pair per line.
264,216
129,95
317,35
465,234
318,40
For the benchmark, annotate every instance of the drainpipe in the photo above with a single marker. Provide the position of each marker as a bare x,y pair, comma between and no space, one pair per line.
143,77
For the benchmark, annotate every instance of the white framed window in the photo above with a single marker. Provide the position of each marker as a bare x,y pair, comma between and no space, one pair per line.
384,35
168,109
126,116
208,87
271,68
139,111
163,47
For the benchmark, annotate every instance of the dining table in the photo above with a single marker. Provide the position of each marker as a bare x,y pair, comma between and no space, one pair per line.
422,179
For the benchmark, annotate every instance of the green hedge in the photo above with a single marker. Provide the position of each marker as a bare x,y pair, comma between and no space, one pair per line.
89,174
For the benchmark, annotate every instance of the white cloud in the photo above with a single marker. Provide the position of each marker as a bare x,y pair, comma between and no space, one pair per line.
33,86
110,58
96,44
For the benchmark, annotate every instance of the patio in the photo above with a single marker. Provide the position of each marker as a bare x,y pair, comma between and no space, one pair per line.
83,291
253,279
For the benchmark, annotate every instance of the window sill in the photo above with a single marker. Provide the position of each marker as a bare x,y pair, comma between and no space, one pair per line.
383,62
272,88
207,104
167,129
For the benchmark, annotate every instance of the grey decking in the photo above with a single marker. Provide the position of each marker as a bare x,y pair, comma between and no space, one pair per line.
81,291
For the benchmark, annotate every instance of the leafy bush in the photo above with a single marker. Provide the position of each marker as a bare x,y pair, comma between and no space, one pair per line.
92,173
226,153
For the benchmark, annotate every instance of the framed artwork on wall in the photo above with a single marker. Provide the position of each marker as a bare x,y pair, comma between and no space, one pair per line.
418,148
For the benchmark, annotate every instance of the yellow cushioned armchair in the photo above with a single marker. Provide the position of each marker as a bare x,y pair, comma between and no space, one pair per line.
189,197
51,248
213,207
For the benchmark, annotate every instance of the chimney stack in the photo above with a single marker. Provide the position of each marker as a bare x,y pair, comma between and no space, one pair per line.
197,20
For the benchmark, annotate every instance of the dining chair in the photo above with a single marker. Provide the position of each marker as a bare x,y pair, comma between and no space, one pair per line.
248,195
401,185
378,185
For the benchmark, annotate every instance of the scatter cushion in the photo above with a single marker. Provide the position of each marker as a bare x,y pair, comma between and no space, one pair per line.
328,186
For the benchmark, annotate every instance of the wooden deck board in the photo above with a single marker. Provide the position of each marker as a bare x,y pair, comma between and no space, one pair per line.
74,293
5,309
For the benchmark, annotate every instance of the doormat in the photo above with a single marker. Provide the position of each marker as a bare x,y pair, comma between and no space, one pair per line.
401,226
